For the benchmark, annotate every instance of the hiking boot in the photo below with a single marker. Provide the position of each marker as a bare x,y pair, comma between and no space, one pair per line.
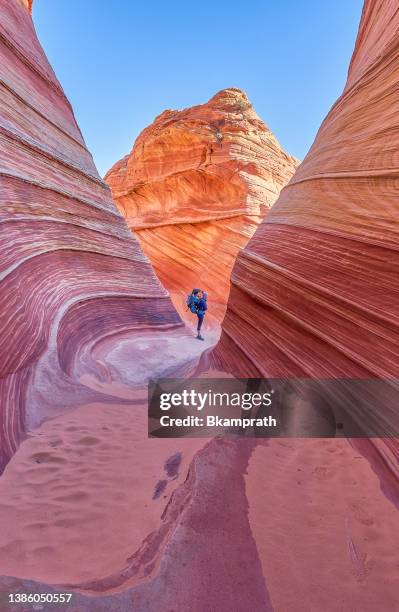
199,337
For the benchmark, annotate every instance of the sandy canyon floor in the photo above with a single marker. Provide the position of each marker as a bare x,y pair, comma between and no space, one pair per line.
88,491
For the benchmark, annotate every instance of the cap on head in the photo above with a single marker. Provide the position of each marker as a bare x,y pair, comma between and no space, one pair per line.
195,291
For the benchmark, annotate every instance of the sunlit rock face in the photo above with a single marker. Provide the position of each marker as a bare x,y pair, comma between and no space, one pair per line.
71,272
194,188
315,291
28,4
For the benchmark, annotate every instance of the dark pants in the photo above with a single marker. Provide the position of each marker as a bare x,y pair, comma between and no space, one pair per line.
200,320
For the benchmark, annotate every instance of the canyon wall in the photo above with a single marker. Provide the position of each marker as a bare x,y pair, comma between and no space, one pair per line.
71,272
194,188
246,523
315,291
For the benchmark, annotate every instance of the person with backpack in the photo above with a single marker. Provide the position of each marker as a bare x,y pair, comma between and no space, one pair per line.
202,307
197,303
192,300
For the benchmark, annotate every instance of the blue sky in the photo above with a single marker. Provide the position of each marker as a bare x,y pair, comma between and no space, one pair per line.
123,62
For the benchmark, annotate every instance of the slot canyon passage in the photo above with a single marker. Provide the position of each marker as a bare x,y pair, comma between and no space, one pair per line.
88,504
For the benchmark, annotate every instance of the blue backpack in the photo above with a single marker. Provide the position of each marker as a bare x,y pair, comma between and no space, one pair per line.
192,303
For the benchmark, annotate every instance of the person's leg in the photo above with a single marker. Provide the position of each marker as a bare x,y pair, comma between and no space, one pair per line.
200,320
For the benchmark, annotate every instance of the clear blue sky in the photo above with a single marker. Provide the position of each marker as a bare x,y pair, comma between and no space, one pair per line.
122,62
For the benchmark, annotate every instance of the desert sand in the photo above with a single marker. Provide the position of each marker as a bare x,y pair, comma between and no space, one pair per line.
84,491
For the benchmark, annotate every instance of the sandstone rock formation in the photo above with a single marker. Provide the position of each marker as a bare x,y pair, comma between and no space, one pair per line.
194,187
71,271
314,293
244,523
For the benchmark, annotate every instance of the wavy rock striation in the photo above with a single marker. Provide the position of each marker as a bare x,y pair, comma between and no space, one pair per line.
247,522
194,188
71,272
314,293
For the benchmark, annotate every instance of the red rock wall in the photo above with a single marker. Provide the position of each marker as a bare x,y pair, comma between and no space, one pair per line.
195,187
64,246
315,292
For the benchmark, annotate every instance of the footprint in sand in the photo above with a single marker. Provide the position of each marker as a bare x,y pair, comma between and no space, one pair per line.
88,441
77,496
321,472
360,515
34,527
43,457
65,522
44,550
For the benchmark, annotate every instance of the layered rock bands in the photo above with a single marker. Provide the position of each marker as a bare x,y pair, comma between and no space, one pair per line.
71,272
194,188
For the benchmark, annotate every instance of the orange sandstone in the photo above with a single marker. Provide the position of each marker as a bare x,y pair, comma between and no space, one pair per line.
194,187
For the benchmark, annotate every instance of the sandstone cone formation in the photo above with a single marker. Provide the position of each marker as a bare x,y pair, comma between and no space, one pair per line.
194,188
72,273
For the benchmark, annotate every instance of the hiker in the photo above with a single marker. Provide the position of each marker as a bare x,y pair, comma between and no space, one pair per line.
202,307
197,303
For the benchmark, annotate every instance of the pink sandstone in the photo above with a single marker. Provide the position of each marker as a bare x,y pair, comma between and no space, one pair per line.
314,293
248,524
71,271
